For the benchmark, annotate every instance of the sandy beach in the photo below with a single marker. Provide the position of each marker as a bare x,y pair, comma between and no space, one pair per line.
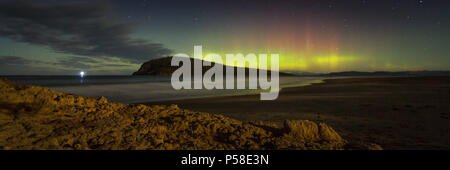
395,112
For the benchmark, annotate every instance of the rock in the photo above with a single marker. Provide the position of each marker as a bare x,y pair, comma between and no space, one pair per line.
61,121
174,107
102,100
373,146
302,129
308,130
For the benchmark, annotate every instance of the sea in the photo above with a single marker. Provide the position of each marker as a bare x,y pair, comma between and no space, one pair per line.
141,89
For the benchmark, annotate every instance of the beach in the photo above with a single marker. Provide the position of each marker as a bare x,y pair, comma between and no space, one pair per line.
38,118
393,112
129,90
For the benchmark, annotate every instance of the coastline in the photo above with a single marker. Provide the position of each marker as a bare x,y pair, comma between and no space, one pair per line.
394,112
163,91
34,117
369,113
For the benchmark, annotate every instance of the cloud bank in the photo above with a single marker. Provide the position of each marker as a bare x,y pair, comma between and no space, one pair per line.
13,60
76,28
65,66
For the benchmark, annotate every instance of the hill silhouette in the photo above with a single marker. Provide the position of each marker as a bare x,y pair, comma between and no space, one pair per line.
162,67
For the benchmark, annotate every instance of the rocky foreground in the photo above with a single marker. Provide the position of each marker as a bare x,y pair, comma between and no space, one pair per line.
33,117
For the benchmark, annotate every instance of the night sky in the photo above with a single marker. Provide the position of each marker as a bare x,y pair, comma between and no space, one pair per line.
115,37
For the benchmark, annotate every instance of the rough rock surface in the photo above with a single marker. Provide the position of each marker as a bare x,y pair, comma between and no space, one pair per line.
33,117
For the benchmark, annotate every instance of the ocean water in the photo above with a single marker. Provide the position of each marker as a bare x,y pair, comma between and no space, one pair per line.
140,89
54,81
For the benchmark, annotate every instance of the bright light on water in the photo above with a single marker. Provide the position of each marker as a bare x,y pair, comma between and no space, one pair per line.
82,74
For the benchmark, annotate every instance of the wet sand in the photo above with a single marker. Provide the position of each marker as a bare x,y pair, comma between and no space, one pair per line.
395,112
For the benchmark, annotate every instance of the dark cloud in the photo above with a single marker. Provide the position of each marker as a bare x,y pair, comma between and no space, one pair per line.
13,60
67,63
21,61
22,66
80,28
66,66
117,65
77,62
